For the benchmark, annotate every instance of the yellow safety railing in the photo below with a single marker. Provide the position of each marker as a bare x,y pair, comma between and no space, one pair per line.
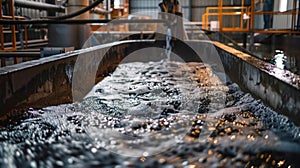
236,15
242,18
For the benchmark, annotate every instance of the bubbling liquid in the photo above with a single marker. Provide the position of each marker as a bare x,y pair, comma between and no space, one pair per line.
155,114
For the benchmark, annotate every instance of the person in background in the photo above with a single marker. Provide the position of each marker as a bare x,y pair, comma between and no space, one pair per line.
268,7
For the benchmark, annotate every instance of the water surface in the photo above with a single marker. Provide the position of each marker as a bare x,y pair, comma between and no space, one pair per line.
154,114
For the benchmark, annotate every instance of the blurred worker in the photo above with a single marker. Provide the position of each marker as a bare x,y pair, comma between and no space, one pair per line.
171,11
268,7
170,6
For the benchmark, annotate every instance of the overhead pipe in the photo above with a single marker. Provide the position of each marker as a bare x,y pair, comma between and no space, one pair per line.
78,12
84,21
100,11
51,7
39,5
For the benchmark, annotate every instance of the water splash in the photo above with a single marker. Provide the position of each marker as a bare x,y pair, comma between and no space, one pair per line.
141,104
168,44
69,69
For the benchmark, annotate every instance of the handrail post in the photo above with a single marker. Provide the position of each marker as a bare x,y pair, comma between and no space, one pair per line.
220,12
242,15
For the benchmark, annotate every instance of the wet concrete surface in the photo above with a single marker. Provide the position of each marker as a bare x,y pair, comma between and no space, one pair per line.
163,114
280,50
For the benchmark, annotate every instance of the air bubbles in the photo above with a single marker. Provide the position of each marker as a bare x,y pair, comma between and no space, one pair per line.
94,150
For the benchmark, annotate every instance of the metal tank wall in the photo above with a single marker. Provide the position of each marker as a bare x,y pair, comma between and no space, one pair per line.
63,35
48,81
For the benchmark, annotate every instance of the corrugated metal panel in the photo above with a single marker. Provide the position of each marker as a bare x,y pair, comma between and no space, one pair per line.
184,2
282,21
198,6
147,7
197,14
140,4
185,12
32,13
205,3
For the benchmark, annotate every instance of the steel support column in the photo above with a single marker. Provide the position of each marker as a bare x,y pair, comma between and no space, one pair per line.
190,10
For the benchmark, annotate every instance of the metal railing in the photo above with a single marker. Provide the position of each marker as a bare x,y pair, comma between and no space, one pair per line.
235,14
11,29
246,19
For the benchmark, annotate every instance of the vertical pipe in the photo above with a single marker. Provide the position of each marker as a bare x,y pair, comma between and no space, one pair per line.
129,6
190,10
107,16
294,15
75,5
220,14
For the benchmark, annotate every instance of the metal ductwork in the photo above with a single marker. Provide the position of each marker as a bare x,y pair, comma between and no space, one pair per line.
39,5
